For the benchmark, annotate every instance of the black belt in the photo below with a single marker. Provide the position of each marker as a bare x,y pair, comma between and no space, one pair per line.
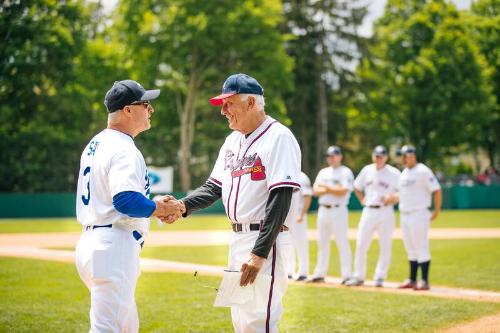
238,227
374,206
329,206
137,235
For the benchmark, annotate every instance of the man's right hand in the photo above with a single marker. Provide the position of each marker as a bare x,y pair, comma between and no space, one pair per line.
168,209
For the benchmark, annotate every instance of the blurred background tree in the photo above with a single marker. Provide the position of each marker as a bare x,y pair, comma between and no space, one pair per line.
428,75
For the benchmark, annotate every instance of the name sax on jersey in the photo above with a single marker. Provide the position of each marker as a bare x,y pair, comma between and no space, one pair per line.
251,164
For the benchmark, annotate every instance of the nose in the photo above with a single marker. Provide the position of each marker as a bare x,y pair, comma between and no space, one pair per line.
223,109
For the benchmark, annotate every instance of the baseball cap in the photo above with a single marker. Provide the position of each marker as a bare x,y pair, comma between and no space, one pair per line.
407,149
380,151
333,150
127,92
238,84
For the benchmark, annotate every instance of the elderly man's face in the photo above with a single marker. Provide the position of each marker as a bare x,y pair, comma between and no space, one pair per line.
237,112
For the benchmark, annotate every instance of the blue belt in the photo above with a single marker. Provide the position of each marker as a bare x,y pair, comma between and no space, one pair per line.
137,235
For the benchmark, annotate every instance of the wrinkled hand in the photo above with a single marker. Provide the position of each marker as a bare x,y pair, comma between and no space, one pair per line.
168,209
250,269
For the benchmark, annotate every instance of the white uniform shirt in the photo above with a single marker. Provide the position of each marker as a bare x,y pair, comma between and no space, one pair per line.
331,176
415,188
305,189
376,184
110,164
247,169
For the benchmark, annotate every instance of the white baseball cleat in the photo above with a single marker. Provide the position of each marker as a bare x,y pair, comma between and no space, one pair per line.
379,282
354,282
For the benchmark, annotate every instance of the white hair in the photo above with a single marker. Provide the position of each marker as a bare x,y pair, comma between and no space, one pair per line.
259,100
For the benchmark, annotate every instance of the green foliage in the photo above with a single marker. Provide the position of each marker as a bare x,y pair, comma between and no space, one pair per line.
426,84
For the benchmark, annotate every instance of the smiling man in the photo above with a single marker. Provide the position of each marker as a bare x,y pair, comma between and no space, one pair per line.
256,174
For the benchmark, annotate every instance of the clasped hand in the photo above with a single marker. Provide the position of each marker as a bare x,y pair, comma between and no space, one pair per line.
168,209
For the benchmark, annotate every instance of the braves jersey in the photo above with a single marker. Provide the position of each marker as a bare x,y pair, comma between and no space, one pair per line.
415,188
331,176
110,164
248,168
376,184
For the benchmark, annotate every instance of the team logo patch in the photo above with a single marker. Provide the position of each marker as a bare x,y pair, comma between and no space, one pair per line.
257,171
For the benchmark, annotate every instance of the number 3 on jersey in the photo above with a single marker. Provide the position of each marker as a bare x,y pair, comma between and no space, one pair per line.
86,174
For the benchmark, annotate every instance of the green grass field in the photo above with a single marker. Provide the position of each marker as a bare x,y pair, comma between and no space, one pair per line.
447,219
37,296
43,296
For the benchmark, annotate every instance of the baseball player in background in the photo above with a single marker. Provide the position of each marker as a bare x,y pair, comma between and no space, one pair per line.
417,185
333,186
376,187
298,229
114,209
256,173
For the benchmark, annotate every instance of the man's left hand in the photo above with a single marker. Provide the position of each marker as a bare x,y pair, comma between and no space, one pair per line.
250,269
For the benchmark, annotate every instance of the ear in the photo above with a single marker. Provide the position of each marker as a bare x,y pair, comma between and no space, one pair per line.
127,111
251,102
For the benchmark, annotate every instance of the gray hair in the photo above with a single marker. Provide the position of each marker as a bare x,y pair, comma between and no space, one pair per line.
259,100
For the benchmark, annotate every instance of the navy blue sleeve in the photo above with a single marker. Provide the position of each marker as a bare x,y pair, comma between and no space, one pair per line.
133,204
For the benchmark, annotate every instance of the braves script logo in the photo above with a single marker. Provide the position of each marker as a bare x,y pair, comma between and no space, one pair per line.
247,164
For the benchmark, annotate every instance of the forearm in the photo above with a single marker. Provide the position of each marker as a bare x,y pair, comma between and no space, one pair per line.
307,204
359,195
202,197
277,208
133,204
438,198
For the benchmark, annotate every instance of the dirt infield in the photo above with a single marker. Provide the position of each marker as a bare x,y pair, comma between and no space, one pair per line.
488,324
211,237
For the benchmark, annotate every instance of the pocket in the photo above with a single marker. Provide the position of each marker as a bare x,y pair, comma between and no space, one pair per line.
100,267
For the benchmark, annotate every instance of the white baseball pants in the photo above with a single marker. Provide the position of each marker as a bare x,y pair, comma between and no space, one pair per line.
298,232
107,260
240,246
333,220
415,228
380,220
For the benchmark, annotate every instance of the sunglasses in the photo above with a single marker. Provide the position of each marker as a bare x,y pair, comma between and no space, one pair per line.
146,104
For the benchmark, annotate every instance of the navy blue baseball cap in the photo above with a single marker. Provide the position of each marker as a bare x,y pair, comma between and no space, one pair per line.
127,92
333,150
380,151
407,149
238,84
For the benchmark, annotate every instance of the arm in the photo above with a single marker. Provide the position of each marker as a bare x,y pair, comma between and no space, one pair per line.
319,189
337,190
305,208
202,197
438,198
134,204
277,207
360,196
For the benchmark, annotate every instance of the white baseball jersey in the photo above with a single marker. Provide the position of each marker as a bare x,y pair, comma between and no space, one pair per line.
248,168
110,164
305,189
377,183
415,188
331,176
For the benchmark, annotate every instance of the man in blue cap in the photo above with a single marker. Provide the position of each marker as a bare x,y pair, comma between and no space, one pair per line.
114,209
376,187
256,174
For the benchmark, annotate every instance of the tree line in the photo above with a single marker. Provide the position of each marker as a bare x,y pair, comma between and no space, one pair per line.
428,75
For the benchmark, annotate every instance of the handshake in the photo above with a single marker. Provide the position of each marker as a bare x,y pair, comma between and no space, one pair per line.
168,209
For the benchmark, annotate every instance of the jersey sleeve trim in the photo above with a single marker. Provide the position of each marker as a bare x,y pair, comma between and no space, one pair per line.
215,181
284,184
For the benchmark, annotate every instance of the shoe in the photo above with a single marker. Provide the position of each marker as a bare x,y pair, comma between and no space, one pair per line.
290,277
317,280
354,282
344,281
408,284
379,283
301,278
422,285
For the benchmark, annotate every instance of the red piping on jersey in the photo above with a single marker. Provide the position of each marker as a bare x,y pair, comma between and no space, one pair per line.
268,318
217,182
283,183
231,191
239,180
